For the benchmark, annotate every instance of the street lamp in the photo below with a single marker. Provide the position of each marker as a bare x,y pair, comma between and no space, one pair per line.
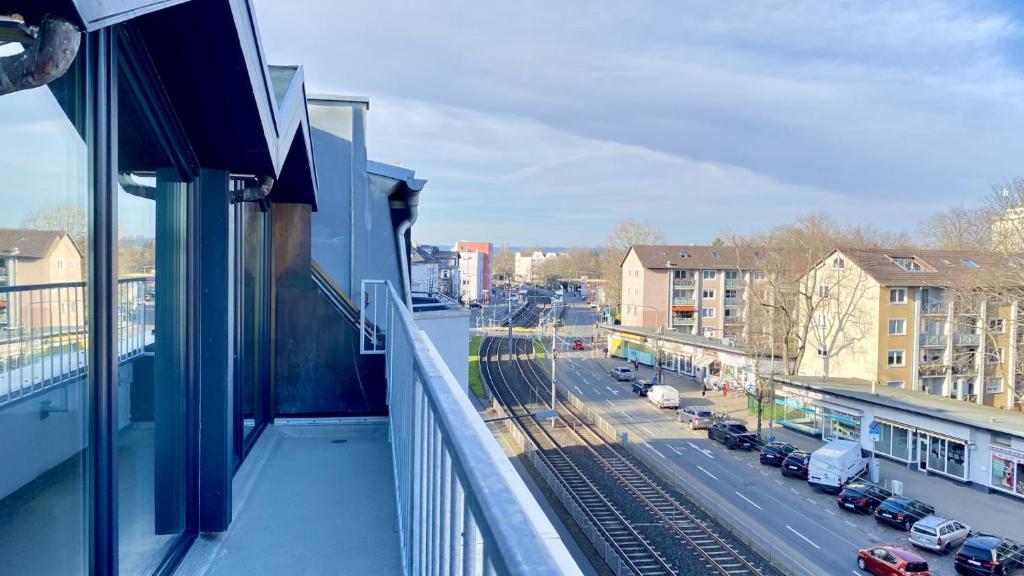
658,330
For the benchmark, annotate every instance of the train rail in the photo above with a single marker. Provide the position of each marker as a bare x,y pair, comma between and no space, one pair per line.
666,518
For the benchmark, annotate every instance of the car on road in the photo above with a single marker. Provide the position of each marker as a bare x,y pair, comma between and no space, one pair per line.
773,454
938,534
622,373
987,555
475,305
900,512
795,465
862,497
696,416
577,344
641,387
892,561
733,434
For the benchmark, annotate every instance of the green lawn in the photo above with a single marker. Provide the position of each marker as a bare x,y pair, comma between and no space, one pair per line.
475,383
539,350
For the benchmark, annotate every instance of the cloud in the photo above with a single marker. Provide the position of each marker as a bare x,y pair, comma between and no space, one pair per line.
757,110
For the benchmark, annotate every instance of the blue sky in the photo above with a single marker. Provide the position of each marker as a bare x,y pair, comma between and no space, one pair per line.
546,123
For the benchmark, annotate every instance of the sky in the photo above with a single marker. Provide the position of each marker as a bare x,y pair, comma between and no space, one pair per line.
549,122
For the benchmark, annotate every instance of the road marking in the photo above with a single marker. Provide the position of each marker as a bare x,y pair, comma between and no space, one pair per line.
706,472
701,450
577,388
655,450
648,432
850,523
811,501
626,416
609,388
793,490
676,450
749,501
830,511
802,536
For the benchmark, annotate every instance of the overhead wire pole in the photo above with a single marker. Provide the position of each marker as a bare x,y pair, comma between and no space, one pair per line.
554,355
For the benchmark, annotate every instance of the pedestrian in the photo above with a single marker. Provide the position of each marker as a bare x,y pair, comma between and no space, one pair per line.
703,390
725,390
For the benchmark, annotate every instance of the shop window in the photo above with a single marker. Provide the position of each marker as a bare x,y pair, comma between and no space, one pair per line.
937,454
956,458
1008,470
900,443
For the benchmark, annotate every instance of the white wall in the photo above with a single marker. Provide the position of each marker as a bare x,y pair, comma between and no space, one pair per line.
449,331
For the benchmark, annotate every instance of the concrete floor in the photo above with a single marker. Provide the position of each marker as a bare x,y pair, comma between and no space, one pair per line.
310,499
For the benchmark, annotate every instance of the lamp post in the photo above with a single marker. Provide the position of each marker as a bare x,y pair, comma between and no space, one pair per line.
658,330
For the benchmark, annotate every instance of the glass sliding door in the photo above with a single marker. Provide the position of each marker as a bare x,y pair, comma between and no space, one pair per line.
252,241
44,370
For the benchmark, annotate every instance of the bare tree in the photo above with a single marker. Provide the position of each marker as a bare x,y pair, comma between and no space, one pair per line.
627,233
67,218
958,228
503,265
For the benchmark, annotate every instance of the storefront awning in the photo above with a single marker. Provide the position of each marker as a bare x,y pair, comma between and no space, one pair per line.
704,361
847,411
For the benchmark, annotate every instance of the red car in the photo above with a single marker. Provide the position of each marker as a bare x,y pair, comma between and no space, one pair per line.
891,561
577,345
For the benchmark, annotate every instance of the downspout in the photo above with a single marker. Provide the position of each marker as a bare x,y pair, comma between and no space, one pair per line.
414,187
44,60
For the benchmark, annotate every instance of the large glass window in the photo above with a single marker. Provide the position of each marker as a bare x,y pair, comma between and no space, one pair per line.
153,369
252,236
44,370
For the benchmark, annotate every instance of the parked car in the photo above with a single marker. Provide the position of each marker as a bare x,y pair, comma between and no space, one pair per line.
641,387
862,497
938,534
795,465
987,555
663,396
622,373
773,454
475,305
577,344
892,561
733,434
697,416
900,512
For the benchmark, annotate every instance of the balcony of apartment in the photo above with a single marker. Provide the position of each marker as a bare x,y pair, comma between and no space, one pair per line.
966,368
933,340
689,281
684,301
935,308
966,339
687,321
735,283
734,301
732,320
932,369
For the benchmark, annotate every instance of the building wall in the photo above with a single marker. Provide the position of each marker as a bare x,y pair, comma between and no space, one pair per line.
886,342
710,326
486,249
471,275
449,331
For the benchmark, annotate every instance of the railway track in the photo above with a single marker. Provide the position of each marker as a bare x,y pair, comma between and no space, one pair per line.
666,519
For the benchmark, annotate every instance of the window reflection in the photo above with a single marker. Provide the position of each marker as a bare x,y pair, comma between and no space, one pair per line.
44,372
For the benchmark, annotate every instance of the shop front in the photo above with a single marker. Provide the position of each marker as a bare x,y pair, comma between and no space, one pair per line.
838,422
795,412
926,450
1007,470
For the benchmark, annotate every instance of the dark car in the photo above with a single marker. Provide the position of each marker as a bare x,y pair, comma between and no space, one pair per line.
987,555
733,434
773,454
862,497
901,513
892,561
641,387
795,465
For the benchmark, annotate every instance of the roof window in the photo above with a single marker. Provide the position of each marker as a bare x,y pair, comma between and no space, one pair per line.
714,254
970,263
908,263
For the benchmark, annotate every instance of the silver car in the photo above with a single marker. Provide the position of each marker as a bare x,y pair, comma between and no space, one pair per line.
938,534
621,373
697,416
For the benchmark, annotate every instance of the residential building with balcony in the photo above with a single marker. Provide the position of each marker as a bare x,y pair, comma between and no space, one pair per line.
435,271
916,320
697,290
526,264
486,251
262,380
30,257
471,276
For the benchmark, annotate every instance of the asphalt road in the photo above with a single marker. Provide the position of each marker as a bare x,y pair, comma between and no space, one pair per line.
800,527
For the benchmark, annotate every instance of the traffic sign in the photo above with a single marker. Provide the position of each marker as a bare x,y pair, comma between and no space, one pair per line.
771,438
873,425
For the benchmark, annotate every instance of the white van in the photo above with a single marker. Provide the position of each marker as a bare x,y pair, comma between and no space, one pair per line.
835,464
663,396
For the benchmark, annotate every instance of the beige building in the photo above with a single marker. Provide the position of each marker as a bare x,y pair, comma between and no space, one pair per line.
31,257
700,290
527,263
909,319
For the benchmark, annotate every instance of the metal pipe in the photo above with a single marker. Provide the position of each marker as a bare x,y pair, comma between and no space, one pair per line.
43,61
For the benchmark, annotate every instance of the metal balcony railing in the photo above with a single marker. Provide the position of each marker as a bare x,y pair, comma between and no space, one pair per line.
462,508
732,301
934,307
683,301
684,281
684,321
932,369
44,338
933,340
735,283
727,320
966,339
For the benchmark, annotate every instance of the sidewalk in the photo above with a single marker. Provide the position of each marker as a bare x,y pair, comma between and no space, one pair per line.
989,512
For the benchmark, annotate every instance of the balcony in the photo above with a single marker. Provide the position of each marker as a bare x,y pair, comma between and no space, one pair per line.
684,282
733,301
964,369
732,320
684,301
734,283
684,321
930,369
966,339
934,308
933,340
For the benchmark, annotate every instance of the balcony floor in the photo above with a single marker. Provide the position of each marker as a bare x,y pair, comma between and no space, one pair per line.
307,504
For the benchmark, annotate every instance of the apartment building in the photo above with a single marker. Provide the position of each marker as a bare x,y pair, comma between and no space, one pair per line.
435,271
912,320
486,251
698,290
31,257
471,275
527,263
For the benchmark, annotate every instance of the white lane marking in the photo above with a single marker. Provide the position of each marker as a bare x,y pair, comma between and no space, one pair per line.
676,450
830,511
587,382
811,501
749,501
626,416
802,536
648,432
655,450
793,490
609,388
706,472
701,450
577,388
